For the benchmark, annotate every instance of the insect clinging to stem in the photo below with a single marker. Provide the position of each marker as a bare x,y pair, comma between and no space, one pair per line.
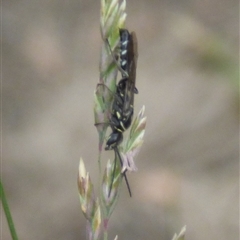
122,107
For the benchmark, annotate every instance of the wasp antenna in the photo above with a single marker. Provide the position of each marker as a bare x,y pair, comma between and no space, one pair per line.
124,173
113,174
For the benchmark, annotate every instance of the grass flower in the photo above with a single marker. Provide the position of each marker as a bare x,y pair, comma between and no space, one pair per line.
112,19
134,142
89,204
97,212
181,235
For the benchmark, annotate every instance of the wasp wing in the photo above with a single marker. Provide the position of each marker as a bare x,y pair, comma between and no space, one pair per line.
131,80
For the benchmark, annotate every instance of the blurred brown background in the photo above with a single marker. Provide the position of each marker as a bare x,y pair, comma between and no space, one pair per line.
187,78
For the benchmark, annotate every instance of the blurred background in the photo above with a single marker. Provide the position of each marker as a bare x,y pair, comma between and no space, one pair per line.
187,77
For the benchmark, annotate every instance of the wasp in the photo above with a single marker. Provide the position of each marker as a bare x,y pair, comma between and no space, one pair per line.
122,107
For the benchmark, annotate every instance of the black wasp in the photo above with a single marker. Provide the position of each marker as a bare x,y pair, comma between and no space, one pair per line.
122,107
